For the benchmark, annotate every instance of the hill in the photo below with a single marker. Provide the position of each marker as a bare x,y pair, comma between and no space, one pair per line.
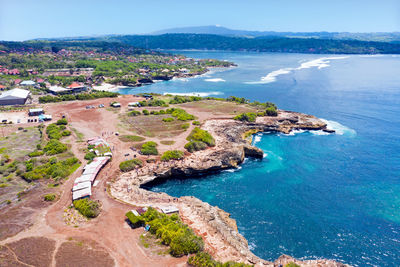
259,44
219,30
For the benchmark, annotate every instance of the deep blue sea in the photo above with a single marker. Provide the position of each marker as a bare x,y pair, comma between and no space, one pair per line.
333,196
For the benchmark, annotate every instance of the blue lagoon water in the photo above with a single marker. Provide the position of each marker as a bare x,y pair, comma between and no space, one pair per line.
333,196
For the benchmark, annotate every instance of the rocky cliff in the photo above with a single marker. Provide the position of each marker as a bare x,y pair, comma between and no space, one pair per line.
218,230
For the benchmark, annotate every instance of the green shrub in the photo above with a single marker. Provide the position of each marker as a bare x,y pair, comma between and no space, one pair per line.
134,113
271,111
145,112
62,122
136,221
172,154
87,208
36,153
168,119
172,232
50,197
54,147
149,148
292,264
129,165
249,116
193,146
199,140
90,155
196,123
180,114
53,131
2,185
66,133
52,169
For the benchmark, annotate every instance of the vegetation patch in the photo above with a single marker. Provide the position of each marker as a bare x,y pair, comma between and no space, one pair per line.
131,138
172,154
82,96
50,197
199,140
180,114
88,208
54,147
171,231
203,259
129,165
149,148
52,169
249,117
167,142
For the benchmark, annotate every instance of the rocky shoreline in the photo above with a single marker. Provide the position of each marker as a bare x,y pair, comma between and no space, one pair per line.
233,144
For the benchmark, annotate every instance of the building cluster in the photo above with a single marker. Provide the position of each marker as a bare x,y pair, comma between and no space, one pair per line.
83,184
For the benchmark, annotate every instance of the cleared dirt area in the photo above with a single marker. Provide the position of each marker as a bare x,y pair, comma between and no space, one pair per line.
154,126
36,251
81,252
215,107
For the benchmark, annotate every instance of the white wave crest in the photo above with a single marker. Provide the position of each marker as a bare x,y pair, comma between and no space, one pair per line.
180,79
315,63
340,129
257,138
215,80
202,94
234,170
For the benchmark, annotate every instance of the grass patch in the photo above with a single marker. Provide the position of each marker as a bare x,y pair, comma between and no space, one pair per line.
131,138
167,142
80,136
129,165
203,259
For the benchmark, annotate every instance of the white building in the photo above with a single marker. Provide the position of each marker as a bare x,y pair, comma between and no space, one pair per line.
14,97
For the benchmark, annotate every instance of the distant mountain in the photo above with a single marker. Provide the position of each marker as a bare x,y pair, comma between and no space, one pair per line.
219,30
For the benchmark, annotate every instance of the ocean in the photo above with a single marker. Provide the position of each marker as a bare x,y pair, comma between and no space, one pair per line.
314,195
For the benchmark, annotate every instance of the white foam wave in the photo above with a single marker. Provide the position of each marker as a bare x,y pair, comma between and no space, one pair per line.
294,132
215,80
320,132
180,79
340,129
202,94
257,138
234,170
319,63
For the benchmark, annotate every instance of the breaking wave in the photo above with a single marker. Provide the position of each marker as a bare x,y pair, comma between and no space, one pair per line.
215,80
202,94
315,63
340,129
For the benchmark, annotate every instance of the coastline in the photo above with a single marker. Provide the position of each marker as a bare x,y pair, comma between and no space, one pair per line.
233,144
108,87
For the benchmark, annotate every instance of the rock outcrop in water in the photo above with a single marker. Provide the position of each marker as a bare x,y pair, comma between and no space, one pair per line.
218,230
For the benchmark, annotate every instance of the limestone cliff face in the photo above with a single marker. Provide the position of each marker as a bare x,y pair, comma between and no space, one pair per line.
219,231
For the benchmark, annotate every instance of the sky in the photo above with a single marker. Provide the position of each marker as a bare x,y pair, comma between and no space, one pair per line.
28,19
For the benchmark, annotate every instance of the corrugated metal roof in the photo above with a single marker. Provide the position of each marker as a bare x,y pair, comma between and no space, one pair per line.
14,93
86,192
80,186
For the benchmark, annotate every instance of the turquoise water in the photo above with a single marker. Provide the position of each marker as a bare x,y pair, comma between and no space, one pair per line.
332,196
